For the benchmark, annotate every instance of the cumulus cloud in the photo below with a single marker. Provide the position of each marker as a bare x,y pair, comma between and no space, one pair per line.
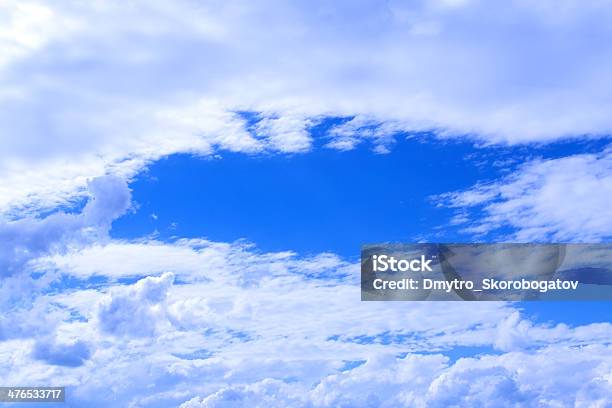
513,333
238,290
509,380
114,87
216,324
564,199
268,392
135,311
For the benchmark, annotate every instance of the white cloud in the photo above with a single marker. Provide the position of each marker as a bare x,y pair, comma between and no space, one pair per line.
564,200
228,282
348,135
266,393
134,311
286,134
235,287
550,377
91,89
100,88
216,323
26,27
41,174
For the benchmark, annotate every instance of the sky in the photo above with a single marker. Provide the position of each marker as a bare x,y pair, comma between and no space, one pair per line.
185,187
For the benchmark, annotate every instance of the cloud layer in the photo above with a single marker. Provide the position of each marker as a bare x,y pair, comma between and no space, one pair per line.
211,324
227,325
112,87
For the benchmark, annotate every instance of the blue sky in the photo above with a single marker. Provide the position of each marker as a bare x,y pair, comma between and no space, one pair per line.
325,200
185,187
321,201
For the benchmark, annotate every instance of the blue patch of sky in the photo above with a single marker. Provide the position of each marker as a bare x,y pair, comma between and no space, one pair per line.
351,364
453,353
64,281
574,313
327,200
195,355
457,352
385,338
324,200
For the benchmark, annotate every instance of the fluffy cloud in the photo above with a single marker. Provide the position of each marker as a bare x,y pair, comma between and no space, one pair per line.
236,291
112,87
216,324
219,324
287,134
268,393
525,379
564,199
511,380
135,310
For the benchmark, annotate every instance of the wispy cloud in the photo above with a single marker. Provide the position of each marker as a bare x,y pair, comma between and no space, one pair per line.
565,199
